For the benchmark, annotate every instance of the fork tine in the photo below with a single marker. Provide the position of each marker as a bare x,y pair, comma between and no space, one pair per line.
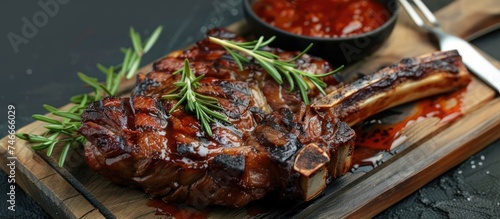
426,12
413,14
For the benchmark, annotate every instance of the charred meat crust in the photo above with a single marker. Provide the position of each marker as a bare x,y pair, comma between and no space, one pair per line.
136,142
274,143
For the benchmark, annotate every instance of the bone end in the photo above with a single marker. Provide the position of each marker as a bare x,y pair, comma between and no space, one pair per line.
312,164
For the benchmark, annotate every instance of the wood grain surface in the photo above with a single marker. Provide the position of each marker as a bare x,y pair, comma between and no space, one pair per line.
431,148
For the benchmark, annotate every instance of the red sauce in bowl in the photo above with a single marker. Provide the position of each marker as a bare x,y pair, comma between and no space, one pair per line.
323,18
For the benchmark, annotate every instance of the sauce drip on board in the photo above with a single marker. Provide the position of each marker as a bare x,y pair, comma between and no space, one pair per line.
375,136
180,211
323,18
177,211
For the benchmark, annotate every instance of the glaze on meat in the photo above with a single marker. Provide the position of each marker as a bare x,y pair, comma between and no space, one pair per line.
274,144
136,142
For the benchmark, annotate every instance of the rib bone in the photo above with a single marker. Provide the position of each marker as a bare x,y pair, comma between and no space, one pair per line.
409,80
412,79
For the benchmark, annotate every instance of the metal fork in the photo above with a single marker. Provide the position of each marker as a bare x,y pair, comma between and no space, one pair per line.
471,57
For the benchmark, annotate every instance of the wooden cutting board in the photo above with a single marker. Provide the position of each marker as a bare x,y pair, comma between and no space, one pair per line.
431,148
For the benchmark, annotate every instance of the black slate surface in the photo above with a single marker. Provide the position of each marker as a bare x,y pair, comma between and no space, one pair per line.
80,34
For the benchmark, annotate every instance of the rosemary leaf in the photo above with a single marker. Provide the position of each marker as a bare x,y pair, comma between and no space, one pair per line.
93,82
109,78
318,83
39,147
22,136
133,68
238,58
258,44
136,41
51,148
126,60
68,115
123,69
79,98
152,39
273,58
52,144
55,127
302,85
36,138
170,96
301,53
80,139
84,101
271,70
64,153
179,103
46,119
49,108
102,68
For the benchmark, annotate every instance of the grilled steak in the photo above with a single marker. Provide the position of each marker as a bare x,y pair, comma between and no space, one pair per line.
274,142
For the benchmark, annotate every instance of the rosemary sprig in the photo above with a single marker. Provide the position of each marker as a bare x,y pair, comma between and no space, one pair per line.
275,68
63,129
203,106
114,74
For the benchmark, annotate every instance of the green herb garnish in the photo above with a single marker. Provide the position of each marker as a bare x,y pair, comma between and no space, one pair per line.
64,129
275,68
201,105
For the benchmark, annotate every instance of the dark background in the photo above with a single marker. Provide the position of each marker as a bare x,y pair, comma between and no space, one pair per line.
83,33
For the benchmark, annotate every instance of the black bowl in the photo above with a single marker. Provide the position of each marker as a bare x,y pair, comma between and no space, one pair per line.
341,50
